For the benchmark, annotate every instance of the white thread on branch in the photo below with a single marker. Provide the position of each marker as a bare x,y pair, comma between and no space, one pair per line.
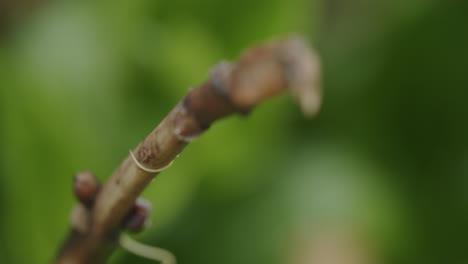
148,169
149,252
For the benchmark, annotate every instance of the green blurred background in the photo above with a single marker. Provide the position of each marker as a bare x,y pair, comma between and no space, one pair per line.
381,176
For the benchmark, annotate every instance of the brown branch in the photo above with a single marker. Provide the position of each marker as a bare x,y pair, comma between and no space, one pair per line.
261,72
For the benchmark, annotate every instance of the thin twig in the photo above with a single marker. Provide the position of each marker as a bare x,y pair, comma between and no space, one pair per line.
261,73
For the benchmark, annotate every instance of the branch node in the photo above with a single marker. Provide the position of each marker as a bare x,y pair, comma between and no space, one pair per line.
186,127
220,77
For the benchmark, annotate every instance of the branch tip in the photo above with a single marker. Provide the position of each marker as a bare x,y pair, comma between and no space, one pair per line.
303,73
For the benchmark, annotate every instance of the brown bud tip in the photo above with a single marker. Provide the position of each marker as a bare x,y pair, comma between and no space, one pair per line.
139,216
86,187
303,68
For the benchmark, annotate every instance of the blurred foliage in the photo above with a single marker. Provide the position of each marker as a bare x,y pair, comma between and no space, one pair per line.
81,82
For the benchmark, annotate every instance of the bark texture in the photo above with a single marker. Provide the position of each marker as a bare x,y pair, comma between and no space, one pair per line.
260,73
